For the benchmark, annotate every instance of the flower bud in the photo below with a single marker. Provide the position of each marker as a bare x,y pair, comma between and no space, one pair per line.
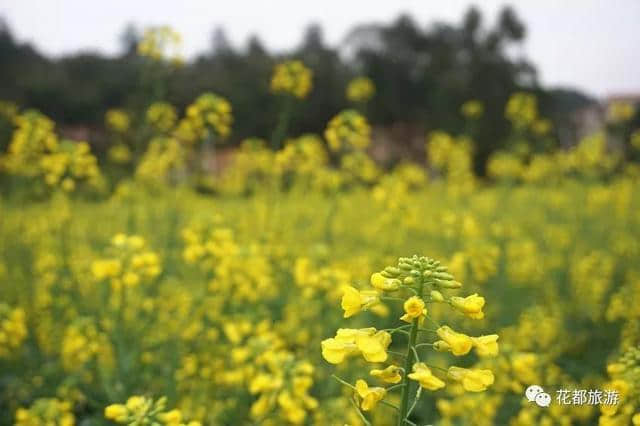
392,271
436,296
379,281
448,284
404,266
443,276
441,346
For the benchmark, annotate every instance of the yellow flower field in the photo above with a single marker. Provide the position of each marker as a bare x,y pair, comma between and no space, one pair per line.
306,284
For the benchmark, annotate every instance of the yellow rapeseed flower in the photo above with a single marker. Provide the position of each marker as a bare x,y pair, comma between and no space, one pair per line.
370,396
472,109
353,300
458,343
471,306
292,77
423,375
486,345
348,130
383,283
117,120
391,374
360,89
414,308
117,412
370,343
473,380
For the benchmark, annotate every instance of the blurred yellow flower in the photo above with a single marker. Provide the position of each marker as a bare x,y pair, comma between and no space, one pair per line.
117,120
472,109
161,44
521,109
292,77
620,111
348,130
360,89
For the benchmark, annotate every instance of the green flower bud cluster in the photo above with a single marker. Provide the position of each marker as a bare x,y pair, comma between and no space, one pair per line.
413,269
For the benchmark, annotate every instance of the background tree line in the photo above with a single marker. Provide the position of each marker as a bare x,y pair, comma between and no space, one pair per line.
422,73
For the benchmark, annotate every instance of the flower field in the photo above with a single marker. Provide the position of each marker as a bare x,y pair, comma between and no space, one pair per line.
303,283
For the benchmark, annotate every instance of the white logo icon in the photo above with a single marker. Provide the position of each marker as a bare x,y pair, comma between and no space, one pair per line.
535,393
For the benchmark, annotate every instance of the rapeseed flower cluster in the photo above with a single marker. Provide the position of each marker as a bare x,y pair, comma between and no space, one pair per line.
117,120
521,110
46,412
349,130
82,343
36,151
453,157
164,157
13,330
161,44
360,89
33,137
292,78
130,263
162,116
472,109
209,116
71,163
417,281
140,410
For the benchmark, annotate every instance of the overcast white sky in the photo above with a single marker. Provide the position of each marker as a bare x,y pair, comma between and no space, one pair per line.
588,44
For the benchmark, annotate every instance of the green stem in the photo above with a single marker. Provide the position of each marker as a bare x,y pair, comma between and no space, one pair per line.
412,290
388,404
283,124
404,404
395,330
391,298
415,353
399,385
120,339
415,401
207,152
360,414
343,382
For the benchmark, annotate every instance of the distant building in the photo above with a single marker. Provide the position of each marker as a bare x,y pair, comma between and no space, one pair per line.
588,120
591,118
